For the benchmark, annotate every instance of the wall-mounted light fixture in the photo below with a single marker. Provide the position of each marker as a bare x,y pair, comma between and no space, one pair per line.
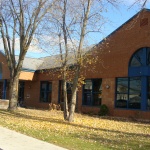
107,86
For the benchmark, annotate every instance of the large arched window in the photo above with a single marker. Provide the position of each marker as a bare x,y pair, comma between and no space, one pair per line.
139,64
133,92
140,58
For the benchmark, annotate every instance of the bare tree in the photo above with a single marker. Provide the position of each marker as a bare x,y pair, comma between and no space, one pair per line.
73,21
20,20
141,3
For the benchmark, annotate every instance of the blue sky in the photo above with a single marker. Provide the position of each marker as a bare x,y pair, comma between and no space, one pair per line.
115,16
118,16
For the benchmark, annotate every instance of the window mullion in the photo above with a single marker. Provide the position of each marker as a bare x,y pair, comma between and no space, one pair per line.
128,92
92,93
47,84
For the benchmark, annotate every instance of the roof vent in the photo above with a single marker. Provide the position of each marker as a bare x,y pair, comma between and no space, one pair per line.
143,22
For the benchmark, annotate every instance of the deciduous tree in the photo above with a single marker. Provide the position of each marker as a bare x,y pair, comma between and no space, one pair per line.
21,19
74,20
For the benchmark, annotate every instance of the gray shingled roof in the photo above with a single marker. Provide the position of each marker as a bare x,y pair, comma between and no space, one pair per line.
33,64
30,64
55,60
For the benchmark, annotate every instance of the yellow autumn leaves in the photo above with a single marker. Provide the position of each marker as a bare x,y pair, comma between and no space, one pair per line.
86,131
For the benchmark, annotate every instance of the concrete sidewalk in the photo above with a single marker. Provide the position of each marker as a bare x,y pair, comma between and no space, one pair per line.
11,140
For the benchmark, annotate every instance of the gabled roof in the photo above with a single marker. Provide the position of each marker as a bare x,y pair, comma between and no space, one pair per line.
54,61
112,33
33,64
30,64
49,62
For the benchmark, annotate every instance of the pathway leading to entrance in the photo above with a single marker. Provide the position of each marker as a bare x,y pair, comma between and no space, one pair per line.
11,140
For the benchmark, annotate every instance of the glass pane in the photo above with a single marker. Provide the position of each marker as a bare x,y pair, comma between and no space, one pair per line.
137,58
87,99
148,56
88,86
97,99
148,94
135,62
122,85
49,86
121,101
69,86
43,96
135,85
134,101
135,93
43,87
97,85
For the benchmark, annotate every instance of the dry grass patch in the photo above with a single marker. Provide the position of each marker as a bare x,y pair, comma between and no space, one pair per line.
85,133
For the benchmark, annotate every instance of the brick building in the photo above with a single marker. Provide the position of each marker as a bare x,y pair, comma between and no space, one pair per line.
121,80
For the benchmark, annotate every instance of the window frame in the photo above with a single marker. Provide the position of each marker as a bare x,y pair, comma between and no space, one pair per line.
128,94
91,93
46,91
139,66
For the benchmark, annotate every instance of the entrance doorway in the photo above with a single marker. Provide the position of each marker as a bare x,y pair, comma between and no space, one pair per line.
21,93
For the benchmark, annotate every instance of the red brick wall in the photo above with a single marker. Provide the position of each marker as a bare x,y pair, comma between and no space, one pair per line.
32,92
113,58
5,70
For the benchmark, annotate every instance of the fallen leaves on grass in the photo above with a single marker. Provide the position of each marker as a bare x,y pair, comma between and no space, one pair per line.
50,126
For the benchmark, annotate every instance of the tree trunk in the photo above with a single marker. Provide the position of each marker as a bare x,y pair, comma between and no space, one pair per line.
13,93
66,113
74,95
73,105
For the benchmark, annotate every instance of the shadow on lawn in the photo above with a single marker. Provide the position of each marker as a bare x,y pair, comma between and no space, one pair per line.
130,119
104,140
20,115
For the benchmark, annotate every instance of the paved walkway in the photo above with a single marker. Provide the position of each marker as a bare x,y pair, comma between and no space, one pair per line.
11,140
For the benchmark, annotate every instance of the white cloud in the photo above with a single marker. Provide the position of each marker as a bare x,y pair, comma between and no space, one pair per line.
51,43
34,47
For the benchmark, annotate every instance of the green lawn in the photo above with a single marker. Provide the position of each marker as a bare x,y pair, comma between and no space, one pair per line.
86,133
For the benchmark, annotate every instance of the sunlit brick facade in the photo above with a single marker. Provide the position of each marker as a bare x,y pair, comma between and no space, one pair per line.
120,80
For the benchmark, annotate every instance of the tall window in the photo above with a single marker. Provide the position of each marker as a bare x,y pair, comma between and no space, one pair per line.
140,58
134,92
46,91
21,92
128,93
148,94
92,92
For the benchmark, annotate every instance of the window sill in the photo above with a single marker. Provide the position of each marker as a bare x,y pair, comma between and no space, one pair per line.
44,102
90,106
132,109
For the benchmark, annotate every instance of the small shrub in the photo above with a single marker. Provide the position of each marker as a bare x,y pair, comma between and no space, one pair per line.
103,110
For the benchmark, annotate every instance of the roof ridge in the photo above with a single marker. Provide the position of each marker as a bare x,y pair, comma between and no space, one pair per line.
144,9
